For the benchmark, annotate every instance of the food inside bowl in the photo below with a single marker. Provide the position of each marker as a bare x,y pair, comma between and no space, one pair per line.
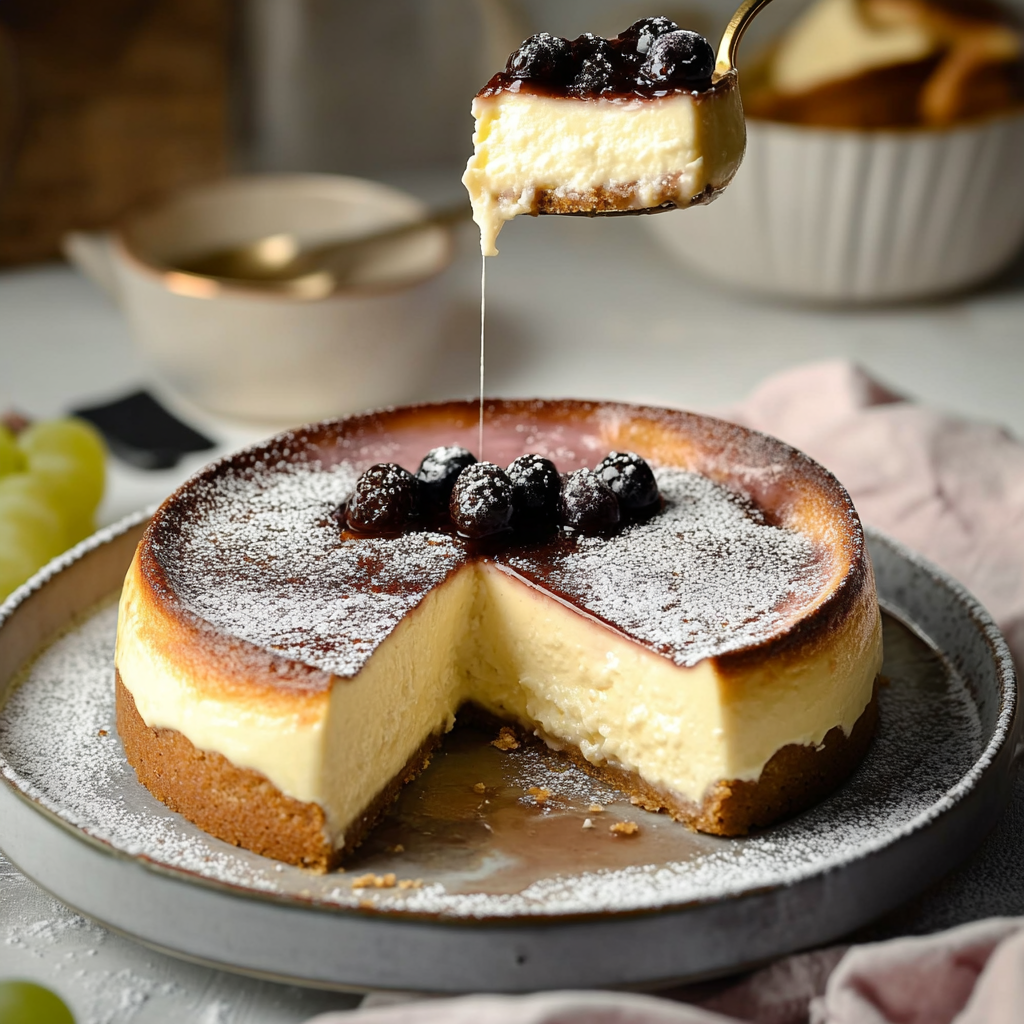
891,64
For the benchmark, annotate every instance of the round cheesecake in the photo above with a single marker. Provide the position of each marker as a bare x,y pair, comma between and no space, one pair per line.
279,677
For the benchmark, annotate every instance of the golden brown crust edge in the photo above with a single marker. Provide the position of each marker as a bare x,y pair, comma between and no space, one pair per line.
795,778
618,199
242,807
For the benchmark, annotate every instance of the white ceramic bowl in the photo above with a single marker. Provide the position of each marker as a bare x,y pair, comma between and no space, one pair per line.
268,357
861,216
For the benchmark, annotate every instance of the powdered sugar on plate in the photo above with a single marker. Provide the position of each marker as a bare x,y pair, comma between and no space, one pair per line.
59,746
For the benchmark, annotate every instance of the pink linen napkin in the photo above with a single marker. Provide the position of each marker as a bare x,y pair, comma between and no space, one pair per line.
954,491
949,488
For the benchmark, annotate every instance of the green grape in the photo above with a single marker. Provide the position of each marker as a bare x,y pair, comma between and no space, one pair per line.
24,1002
25,504
69,458
73,436
12,459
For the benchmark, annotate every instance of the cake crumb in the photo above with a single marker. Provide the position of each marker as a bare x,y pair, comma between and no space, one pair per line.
397,848
411,883
367,904
587,823
596,809
372,881
539,793
479,788
102,732
624,828
506,739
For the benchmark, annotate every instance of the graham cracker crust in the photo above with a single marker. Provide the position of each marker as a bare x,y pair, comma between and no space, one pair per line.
620,199
240,805
794,779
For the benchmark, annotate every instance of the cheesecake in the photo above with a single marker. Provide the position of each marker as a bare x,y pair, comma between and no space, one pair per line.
595,126
280,675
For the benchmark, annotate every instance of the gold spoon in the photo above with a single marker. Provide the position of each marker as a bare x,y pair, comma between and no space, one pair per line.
278,263
725,68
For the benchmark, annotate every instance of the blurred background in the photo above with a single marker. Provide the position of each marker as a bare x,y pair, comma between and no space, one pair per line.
125,123
115,102
111,107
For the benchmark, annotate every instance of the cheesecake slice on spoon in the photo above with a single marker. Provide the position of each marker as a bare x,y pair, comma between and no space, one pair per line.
648,120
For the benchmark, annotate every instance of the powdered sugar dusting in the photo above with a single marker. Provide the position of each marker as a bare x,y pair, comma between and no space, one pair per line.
260,557
54,749
706,576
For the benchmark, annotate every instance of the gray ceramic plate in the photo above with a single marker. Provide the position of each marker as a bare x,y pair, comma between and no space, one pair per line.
507,894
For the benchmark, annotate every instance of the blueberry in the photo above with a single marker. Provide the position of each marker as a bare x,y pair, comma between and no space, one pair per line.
438,472
481,503
630,479
536,487
542,58
679,58
588,505
385,499
642,34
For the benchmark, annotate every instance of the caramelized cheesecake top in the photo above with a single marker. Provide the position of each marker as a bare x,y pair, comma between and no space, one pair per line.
755,545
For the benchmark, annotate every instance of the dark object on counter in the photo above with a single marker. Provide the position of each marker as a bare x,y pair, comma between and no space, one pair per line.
143,433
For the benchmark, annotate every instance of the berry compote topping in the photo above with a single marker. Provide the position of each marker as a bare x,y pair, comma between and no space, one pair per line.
386,499
525,503
650,58
438,472
481,502
536,488
631,481
588,505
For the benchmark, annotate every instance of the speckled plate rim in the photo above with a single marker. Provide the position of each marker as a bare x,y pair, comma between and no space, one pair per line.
997,758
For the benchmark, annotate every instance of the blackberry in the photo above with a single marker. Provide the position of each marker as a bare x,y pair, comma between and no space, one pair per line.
481,502
679,58
588,505
438,472
642,34
588,45
630,479
594,76
536,487
385,499
542,58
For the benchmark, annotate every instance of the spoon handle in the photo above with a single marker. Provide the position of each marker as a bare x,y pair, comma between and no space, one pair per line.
734,33
437,218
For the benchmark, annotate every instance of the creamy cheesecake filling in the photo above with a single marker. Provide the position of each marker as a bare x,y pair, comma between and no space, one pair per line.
647,151
487,636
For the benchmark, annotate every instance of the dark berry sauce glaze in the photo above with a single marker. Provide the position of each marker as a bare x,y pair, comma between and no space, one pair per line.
651,58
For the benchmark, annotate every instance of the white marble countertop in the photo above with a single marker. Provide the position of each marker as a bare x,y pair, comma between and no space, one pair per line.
589,309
